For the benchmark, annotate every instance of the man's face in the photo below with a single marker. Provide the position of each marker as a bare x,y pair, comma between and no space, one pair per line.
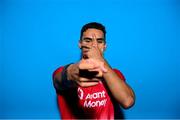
92,37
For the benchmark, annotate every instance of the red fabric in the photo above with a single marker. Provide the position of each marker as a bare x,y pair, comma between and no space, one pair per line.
119,74
94,102
64,108
57,71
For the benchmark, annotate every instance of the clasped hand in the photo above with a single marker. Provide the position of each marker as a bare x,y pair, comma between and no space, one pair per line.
91,66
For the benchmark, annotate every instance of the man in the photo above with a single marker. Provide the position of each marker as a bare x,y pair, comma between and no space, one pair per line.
90,88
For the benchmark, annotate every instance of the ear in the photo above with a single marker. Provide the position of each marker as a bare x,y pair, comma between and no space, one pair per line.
80,44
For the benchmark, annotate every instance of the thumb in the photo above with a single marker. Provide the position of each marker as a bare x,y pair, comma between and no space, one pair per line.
103,68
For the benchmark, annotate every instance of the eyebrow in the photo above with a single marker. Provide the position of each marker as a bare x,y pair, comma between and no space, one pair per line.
100,39
87,38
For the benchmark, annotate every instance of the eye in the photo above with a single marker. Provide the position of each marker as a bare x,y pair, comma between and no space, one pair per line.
86,40
100,41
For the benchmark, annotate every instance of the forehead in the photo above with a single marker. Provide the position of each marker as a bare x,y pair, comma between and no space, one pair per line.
91,31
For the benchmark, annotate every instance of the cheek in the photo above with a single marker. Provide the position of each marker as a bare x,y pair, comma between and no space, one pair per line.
101,48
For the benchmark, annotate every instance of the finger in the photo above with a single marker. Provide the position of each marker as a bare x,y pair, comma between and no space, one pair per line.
85,46
89,64
86,64
87,84
94,62
94,69
94,40
99,65
96,79
83,79
103,68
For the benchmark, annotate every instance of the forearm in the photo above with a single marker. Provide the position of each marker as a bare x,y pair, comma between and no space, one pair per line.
119,89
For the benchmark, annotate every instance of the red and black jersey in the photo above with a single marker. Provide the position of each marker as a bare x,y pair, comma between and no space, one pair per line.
95,102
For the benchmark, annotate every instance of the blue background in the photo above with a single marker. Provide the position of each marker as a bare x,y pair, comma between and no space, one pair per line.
37,36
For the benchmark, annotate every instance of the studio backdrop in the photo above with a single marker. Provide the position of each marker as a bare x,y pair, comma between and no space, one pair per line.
38,36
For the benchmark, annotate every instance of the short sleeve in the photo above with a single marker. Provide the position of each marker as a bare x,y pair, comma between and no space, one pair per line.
60,69
119,73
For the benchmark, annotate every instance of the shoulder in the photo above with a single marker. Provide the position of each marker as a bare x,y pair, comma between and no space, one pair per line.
119,73
58,70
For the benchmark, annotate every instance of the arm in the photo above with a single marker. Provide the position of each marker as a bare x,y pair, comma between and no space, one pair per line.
120,90
68,77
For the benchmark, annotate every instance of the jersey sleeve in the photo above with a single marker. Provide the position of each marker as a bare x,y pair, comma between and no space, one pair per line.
119,73
58,70
63,106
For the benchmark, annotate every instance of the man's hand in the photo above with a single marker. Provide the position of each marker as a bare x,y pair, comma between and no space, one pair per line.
90,69
93,51
92,65
73,73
